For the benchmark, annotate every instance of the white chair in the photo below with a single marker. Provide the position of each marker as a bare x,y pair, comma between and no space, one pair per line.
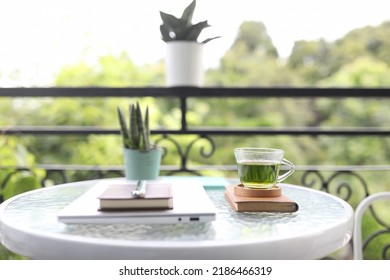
362,207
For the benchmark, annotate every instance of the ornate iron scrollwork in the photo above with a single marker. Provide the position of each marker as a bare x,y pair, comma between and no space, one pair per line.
386,250
184,154
376,235
346,189
342,189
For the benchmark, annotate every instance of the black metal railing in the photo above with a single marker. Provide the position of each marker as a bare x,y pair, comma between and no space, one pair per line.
324,178
183,94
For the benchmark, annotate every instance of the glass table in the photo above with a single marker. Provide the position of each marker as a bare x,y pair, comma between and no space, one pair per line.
323,224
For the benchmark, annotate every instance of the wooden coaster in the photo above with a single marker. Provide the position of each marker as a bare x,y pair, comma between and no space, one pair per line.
275,191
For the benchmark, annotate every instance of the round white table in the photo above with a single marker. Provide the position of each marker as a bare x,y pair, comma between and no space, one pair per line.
323,224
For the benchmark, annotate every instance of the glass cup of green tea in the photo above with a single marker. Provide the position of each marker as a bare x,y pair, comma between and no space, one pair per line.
258,168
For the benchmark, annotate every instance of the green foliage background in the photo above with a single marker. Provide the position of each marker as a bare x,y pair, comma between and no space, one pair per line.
360,59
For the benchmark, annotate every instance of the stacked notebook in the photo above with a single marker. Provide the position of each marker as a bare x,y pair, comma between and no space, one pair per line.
120,197
240,203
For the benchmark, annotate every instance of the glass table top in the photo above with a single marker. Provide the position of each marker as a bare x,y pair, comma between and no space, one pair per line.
37,212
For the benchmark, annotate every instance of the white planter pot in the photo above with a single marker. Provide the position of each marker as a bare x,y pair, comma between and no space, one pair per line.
184,64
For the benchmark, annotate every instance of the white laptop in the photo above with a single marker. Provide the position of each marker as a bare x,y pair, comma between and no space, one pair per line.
191,204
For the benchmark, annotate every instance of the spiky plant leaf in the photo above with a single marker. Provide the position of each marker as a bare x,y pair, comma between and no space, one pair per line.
188,13
170,21
134,127
209,39
137,135
123,128
146,131
166,36
141,128
193,32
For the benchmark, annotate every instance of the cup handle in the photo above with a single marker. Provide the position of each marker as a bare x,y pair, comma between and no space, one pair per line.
287,174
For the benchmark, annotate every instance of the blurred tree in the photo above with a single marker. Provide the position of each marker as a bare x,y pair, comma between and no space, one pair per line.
252,60
372,41
310,60
318,60
114,71
254,36
364,71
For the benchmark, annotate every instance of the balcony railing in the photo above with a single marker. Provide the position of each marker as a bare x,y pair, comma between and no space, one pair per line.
325,178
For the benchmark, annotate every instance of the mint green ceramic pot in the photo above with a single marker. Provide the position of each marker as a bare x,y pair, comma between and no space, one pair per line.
142,165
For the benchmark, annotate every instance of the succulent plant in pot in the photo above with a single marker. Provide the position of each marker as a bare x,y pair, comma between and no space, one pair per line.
184,52
141,157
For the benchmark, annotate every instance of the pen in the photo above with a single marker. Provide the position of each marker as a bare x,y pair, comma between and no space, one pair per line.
140,190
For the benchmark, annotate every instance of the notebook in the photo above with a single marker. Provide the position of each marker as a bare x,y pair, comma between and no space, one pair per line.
120,197
191,204
239,203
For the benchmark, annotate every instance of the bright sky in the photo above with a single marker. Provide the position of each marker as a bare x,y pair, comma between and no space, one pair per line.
37,37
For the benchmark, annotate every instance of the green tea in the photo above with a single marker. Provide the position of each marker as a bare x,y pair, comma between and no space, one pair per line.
258,174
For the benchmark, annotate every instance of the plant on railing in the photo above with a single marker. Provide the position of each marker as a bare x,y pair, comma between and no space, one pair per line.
136,135
182,29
